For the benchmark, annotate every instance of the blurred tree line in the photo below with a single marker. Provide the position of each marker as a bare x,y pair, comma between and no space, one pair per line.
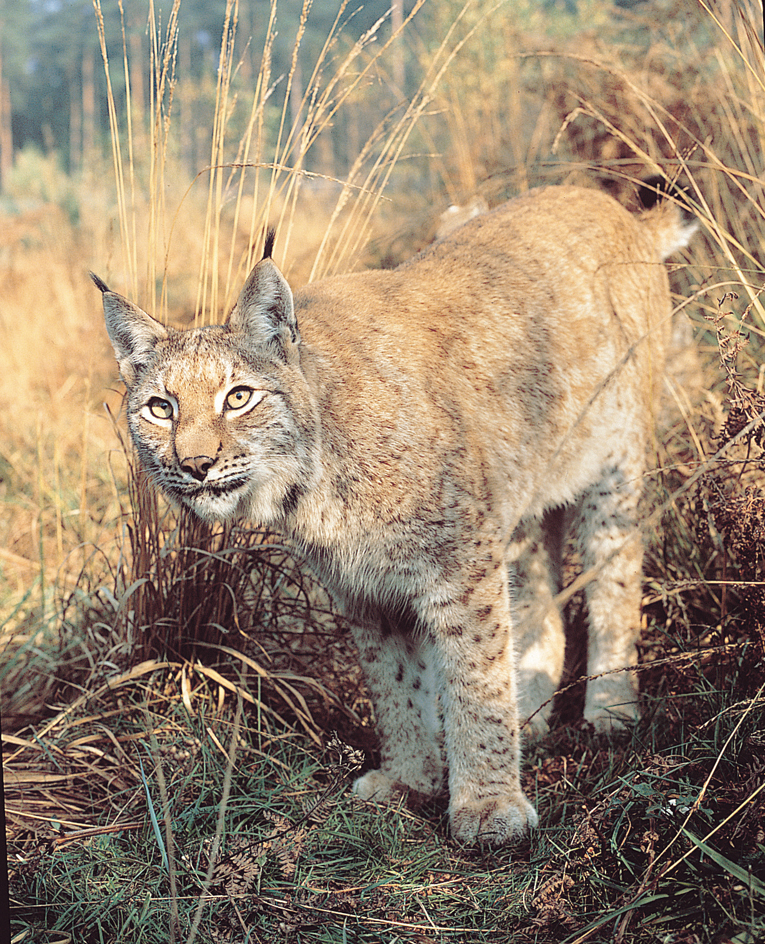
53,89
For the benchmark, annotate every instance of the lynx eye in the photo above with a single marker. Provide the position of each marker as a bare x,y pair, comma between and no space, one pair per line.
162,409
238,397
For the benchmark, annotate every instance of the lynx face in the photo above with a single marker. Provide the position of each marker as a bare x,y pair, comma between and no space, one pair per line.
425,436
221,428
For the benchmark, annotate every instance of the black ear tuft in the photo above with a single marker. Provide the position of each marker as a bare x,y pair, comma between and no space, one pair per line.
99,283
133,333
265,311
270,240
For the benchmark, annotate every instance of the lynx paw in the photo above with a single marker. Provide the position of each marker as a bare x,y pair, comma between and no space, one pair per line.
495,821
613,707
612,720
379,787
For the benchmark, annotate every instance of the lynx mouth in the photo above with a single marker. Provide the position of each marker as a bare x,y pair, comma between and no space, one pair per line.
224,488
193,494
212,502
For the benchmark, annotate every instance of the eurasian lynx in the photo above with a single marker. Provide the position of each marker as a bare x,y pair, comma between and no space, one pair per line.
408,430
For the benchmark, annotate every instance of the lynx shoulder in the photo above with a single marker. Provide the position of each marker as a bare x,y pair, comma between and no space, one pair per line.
423,435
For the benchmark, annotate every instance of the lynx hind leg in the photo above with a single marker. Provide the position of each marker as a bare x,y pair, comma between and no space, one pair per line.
610,543
402,680
534,560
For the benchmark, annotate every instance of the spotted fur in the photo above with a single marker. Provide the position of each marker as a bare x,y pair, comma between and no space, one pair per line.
409,431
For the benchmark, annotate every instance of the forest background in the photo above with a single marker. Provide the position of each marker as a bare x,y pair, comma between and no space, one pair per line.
53,93
152,143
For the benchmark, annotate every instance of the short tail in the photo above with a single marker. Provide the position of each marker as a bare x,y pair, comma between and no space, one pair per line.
667,211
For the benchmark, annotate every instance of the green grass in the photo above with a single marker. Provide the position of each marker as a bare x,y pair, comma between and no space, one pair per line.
645,840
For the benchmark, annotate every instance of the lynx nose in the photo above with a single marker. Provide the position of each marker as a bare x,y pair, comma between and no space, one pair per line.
198,466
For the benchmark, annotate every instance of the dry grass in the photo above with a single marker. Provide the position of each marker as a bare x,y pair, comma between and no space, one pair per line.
139,798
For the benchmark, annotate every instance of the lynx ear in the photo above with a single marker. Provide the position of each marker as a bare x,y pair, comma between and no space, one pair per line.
132,332
265,311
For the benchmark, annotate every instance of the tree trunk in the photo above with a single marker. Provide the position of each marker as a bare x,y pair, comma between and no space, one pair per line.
75,122
187,120
137,72
6,130
296,102
397,22
88,106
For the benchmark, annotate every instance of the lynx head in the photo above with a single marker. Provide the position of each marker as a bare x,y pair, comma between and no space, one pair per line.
221,416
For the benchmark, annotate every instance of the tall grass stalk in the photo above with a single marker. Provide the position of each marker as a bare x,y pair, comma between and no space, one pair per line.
208,281
164,54
356,230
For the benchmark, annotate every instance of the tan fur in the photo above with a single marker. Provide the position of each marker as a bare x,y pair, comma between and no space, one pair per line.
408,430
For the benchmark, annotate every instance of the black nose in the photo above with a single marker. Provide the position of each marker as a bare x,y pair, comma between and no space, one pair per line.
198,466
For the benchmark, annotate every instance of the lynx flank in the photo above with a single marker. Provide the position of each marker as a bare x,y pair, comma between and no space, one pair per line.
409,430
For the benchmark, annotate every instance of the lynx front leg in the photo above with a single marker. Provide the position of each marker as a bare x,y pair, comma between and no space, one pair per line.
402,679
534,562
612,552
473,644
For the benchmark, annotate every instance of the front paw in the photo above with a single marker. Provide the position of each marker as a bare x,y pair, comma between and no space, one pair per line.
495,821
378,787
